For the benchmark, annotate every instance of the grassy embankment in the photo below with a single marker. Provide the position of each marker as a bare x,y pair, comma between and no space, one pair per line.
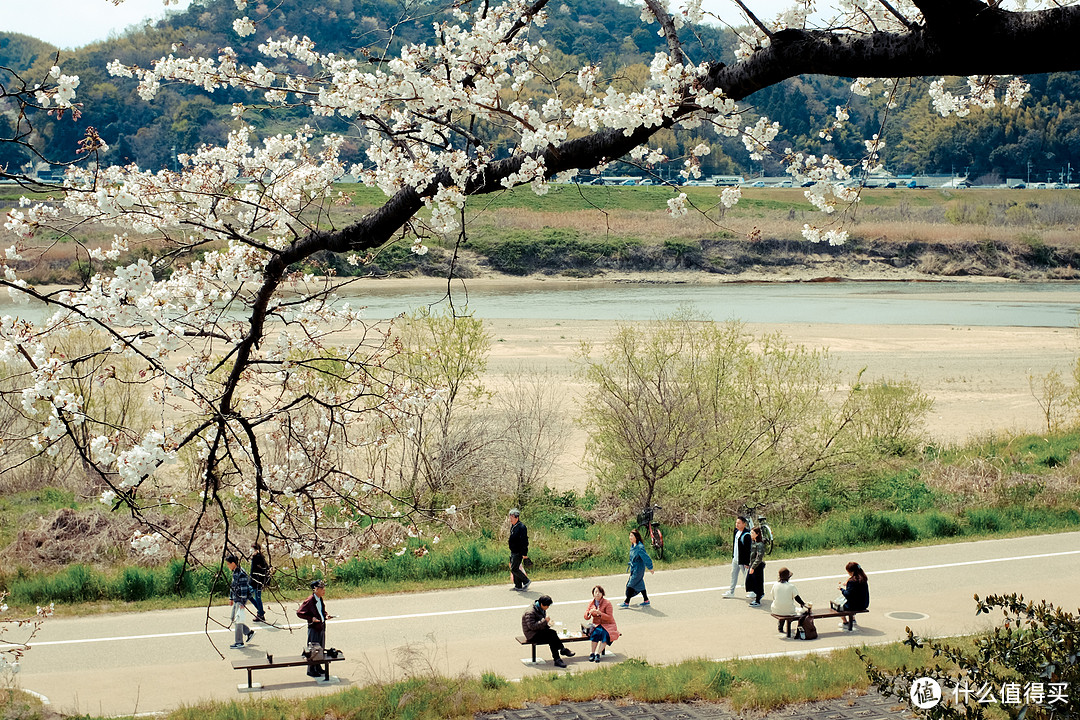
1021,485
586,231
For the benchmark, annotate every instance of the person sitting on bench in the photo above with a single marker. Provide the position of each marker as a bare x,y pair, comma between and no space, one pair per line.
536,625
784,597
856,595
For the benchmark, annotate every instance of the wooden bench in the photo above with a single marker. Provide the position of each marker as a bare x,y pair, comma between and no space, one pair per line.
290,661
573,638
815,616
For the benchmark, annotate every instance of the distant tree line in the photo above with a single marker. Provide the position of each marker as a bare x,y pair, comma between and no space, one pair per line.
1040,140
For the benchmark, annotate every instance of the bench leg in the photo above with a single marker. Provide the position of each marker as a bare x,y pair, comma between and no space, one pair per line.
534,654
249,678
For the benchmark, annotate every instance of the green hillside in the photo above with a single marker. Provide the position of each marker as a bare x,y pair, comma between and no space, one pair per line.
1039,140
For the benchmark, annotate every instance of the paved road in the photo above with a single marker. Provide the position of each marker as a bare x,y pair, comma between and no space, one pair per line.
129,663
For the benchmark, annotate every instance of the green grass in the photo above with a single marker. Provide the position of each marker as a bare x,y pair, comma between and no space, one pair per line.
464,561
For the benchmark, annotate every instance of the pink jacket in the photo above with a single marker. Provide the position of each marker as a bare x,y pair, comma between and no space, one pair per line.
606,619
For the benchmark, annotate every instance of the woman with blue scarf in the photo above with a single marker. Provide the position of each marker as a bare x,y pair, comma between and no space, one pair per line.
639,561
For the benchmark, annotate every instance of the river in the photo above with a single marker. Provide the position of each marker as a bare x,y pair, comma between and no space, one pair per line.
972,304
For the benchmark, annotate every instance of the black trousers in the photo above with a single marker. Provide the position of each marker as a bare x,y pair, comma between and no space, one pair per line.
755,582
520,578
317,634
549,637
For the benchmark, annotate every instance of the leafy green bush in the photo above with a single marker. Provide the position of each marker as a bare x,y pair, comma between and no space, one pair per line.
137,584
883,527
983,519
78,583
904,491
520,253
941,525
492,681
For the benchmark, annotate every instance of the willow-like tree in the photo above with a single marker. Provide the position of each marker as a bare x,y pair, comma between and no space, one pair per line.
276,392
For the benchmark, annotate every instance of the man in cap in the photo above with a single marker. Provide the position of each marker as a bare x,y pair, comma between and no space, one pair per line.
519,550
314,611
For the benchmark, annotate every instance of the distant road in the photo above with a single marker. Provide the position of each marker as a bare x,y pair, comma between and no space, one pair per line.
135,663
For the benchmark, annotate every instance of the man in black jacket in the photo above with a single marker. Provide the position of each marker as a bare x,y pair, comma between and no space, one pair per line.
314,611
536,625
519,550
259,575
740,554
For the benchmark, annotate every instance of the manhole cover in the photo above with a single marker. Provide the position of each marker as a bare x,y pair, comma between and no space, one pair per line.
906,615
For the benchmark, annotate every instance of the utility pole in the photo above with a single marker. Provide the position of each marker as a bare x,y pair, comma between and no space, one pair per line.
1029,173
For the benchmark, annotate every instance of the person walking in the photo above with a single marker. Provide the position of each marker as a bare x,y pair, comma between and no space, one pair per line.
259,576
604,631
784,597
755,576
740,554
519,550
536,626
639,561
313,609
856,595
239,594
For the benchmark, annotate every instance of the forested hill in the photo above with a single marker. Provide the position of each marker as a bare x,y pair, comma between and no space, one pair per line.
1041,137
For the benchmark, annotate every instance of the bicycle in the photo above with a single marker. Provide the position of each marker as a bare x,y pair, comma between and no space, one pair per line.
652,529
766,531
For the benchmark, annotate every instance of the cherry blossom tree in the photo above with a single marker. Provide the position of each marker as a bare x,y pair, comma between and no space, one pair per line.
274,392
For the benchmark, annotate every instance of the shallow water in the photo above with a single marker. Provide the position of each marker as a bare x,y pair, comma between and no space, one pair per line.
845,303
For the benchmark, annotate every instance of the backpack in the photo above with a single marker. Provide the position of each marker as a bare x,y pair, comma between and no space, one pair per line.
807,629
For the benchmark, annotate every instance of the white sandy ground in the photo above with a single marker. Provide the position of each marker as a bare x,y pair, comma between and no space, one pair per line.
978,376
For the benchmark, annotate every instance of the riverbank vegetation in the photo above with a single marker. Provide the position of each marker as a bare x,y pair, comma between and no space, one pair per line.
592,231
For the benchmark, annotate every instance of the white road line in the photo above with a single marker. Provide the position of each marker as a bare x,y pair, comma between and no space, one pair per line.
469,611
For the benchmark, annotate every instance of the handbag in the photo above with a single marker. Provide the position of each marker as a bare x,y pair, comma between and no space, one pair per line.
587,629
807,629
838,602
314,652
240,616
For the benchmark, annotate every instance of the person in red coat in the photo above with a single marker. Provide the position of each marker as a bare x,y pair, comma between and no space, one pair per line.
600,614
314,611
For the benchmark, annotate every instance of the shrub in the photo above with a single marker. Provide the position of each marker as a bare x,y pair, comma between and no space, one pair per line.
983,519
880,527
941,525
75,584
136,584
491,681
904,491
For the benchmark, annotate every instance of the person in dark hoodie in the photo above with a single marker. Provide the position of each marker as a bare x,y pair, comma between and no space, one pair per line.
536,625
519,550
